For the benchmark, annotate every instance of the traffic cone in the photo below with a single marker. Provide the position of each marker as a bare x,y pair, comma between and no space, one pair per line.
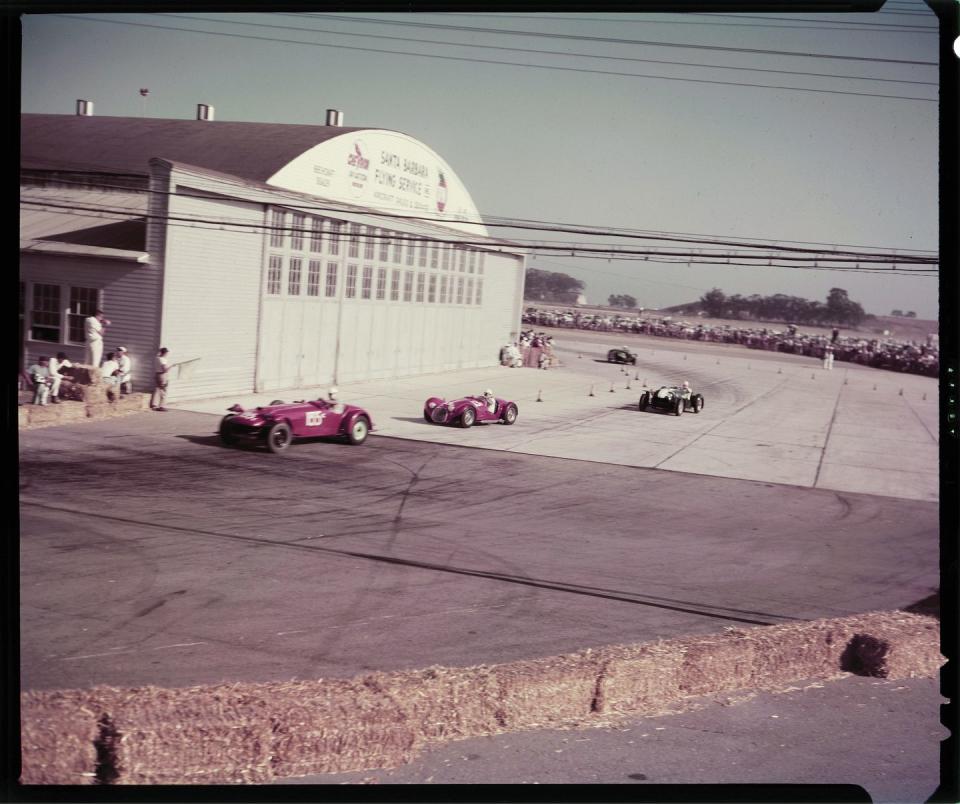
684,357
924,397
813,376
540,395
611,388
874,386
628,383
591,391
779,371
901,392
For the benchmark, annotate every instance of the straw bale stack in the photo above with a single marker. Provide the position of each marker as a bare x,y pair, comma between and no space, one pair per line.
332,725
896,645
639,678
59,731
199,735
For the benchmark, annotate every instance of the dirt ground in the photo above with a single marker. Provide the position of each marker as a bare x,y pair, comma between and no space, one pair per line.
905,329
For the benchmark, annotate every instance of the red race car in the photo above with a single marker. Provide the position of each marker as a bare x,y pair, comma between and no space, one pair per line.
277,424
470,409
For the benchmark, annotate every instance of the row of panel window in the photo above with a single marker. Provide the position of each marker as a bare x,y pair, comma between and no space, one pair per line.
369,282
55,313
298,232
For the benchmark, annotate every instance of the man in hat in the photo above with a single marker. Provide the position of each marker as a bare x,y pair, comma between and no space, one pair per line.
39,374
161,370
125,365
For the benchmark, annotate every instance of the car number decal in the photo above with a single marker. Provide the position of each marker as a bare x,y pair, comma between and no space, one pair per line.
315,418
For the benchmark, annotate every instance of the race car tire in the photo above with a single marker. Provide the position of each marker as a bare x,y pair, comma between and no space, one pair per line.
468,417
358,431
510,414
678,408
279,437
226,432
697,403
426,417
644,401
277,402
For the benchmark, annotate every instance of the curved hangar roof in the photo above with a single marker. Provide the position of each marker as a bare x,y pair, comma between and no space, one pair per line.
374,168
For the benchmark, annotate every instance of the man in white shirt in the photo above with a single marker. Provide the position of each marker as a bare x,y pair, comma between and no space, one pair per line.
126,370
40,377
93,328
161,370
110,372
56,364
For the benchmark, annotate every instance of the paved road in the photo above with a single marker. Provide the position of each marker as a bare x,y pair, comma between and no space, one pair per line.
150,554
881,735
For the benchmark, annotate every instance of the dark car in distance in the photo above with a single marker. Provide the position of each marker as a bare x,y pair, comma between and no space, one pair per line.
622,356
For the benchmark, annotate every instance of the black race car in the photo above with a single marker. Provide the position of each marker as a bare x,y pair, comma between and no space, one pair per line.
673,399
622,356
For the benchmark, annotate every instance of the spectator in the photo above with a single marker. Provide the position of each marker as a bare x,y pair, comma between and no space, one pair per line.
161,369
126,370
56,364
93,328
110,372
39,374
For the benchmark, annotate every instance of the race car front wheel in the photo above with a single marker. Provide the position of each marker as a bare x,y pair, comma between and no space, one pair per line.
510,414
358,431
678,409
468,418
279,437
226,432
644,401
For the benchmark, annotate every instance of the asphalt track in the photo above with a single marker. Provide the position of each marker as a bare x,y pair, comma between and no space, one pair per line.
151,554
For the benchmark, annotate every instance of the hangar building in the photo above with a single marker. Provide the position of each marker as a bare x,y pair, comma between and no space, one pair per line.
264,256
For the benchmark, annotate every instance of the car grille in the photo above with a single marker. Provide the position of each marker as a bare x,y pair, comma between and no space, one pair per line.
439,414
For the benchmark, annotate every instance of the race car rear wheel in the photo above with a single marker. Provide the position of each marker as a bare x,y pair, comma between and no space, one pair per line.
697,403
226,432
279,437
468,417
644,401
426,417
510,414
359,430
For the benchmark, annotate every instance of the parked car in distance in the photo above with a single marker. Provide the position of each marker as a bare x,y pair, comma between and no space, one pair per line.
469,410
276,425
672,399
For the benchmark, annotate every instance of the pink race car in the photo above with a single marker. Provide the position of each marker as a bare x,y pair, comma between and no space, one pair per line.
278,423
469,410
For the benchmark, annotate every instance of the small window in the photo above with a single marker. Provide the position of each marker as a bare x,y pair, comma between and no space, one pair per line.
296,235
381,283
408,286
274,273
354,242
83,304
469,299
331,285
293,276
422,260
46,312
461,259
480,262
472,265
421,283
432,289
443,288
446,256
398,251
369,243
351,289
367,287
384,246
434,256
316,235
459,290
335,230
277,219
479,297
395,285
313,277
411,249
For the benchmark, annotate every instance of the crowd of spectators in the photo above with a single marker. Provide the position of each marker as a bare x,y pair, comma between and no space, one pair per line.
885,353
531,350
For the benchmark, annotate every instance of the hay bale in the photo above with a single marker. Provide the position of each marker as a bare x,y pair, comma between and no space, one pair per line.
550,690
93,394
59,731
716,664
895,645
333,726
198,735
639,678
23,416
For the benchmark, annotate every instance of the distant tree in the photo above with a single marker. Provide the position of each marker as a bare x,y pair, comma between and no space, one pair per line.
551,286
897,313
911,314
713,303
624,300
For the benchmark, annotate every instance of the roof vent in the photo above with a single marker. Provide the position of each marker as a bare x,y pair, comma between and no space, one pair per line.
334,117
85,108
204,112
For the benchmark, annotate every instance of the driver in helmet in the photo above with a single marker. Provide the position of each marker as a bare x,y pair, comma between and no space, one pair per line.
685,390
332,400
490,400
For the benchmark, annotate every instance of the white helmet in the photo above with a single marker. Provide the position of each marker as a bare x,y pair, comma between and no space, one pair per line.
686,384
332,393
488,392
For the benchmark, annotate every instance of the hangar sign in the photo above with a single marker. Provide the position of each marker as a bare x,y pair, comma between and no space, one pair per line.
386,171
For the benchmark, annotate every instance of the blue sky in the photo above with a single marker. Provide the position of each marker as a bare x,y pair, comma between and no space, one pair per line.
576,144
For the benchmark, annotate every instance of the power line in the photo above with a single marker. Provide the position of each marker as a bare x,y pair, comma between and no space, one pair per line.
836,22
552,52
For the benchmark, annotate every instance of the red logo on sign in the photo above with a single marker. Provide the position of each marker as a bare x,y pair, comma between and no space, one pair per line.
357,159
441,192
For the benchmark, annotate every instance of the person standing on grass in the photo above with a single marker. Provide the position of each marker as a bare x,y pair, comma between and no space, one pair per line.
93,329
161,370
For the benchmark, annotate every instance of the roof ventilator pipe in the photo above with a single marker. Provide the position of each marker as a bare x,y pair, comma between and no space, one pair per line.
204,112
84,108
334,117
